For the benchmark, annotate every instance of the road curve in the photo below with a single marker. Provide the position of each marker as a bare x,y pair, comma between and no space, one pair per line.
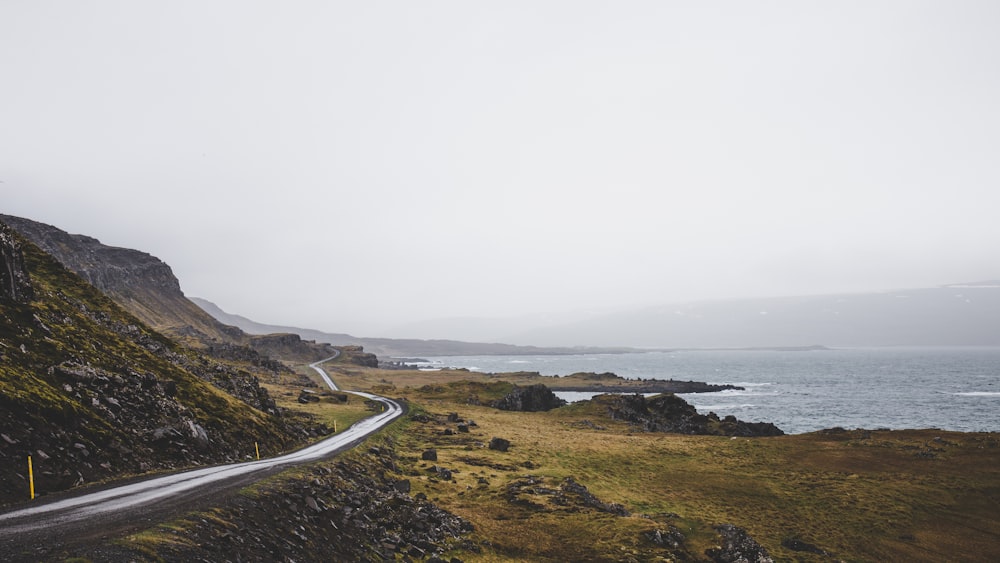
322,373
127,499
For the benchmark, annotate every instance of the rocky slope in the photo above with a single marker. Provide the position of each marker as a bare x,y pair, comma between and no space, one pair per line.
352,509
91,393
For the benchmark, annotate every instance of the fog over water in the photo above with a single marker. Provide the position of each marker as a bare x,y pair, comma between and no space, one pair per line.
367,167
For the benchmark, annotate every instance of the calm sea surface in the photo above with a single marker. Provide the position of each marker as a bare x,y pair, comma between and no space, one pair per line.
945,388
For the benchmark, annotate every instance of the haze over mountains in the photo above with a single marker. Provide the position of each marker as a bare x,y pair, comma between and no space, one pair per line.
400,347
147,288
955,315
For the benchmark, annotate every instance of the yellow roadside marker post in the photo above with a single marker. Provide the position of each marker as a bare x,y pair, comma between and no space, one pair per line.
256,447
31,479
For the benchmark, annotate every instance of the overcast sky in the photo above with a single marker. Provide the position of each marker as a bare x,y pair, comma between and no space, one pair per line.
354,166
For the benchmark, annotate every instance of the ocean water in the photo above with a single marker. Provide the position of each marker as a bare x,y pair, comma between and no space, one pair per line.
945,388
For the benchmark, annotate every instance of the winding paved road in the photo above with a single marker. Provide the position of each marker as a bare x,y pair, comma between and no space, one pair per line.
322,373
135,505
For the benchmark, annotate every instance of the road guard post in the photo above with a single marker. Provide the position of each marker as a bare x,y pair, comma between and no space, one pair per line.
31,479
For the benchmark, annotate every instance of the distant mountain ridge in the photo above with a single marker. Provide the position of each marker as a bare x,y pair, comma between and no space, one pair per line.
965,314
404,347
962,314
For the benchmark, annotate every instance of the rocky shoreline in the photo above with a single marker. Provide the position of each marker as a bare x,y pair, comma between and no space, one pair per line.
661,413
669,413
607,382
653,386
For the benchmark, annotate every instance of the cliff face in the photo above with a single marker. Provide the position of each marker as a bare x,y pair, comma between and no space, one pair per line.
110,269
15,284
146,287
140,282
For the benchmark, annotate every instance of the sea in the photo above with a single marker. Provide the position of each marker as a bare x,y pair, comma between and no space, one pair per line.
804,391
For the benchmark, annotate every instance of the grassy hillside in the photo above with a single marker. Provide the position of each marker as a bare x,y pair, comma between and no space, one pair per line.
91,393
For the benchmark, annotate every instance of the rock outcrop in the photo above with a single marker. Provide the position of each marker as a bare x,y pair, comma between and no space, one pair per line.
289,346
246,354
15,284
356,355
533,491
670,413
737,547
572,492
533,398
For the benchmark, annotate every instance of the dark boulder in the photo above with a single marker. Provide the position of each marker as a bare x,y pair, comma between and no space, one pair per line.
737,547
533,398
499,444
308,396
671,537
441,472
